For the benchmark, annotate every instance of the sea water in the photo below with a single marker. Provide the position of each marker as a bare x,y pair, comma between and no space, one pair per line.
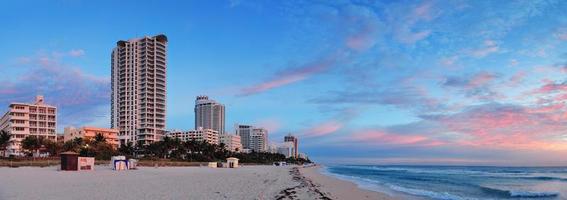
450,182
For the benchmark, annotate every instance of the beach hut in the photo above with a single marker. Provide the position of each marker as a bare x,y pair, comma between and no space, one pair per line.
132,164
213,164
119,163
86,163
69,161
232,162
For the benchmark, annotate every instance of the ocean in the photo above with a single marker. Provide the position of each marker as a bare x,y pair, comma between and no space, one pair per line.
455,183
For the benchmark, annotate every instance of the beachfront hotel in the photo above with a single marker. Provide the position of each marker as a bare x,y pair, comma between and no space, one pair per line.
89,133
200,135
28,119
139,89
252,138
209,114
294,141
231,142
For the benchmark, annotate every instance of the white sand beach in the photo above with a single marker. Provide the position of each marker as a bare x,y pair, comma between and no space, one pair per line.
338,189
248,182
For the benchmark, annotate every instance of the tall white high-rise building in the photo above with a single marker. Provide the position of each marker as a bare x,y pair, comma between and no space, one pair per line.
209,114
253,138
139,89
28,119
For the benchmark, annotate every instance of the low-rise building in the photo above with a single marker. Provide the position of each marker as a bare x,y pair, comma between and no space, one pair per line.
89,133
231,142
28,119
207,135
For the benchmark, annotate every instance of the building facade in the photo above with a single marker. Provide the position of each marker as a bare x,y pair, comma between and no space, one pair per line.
287,149
259,140
28,119
231,142
138,99
89,133
209,114
200,135
244,132
294,141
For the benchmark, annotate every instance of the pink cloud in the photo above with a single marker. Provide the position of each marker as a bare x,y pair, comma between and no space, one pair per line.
323,129
288,77
510,127
332,125
490,47
77,94
517,78
381,137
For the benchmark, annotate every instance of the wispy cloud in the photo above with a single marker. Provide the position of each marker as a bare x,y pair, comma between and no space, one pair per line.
330,126
76,53
489,47
289,76
561,34
78,95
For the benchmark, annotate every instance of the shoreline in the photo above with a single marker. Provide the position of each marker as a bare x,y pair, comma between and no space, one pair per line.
334,188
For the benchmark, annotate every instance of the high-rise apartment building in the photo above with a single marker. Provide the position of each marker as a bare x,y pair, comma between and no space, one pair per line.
209,114
139,89
244,132
29,119
259,140
294,140
253,138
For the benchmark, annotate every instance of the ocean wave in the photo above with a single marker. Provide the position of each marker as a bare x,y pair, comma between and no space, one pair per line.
427,193
519,193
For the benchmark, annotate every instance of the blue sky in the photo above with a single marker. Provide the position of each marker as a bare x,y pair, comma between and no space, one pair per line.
404,82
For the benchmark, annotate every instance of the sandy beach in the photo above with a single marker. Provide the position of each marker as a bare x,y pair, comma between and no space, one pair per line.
249,182
339,189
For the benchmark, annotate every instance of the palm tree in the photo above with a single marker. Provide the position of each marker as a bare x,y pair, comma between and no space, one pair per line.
4,140
32,143
99,138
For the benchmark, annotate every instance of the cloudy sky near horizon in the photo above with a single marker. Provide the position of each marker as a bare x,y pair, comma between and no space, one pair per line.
390,82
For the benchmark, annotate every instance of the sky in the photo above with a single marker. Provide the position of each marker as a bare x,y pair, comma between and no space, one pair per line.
366,82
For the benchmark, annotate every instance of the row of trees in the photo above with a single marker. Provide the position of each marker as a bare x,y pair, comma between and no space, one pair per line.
168,148
175,149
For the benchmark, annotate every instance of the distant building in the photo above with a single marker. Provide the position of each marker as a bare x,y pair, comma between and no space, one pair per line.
255,139
259,140
287,149
303,155
28,119
244,132
139,89
209,114
207,135
231,142
294,140
89,133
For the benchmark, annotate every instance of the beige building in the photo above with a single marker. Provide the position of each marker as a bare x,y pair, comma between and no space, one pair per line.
295,141
207,135
89,133
139,89
231,142
259,140
252,138
209,114
29,119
